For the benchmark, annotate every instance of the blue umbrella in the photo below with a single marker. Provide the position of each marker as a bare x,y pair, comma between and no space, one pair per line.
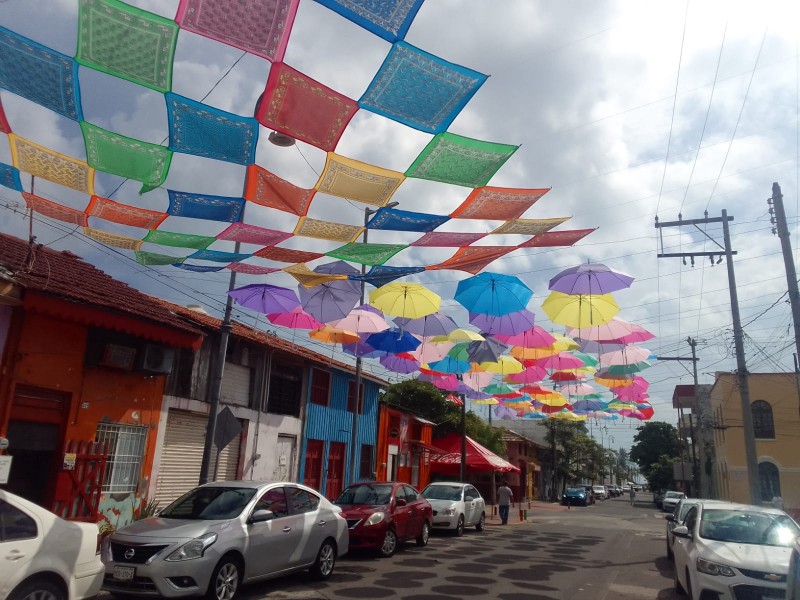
450,365
393,341
493,294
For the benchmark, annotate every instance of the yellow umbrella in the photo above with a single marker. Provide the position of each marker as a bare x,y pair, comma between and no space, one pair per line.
458,335
564,342
408,300
603,378
522,353
566,415
490,401
332,335
524,408
505,365
580,310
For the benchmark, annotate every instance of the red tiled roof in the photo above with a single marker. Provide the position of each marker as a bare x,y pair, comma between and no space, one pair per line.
64,275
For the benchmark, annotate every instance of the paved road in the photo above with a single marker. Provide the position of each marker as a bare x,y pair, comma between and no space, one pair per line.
609,550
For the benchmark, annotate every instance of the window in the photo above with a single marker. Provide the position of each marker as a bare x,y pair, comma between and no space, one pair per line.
302,501
365,467
15,524
351,397
320,387
770,480
125,445
411,494
691,519
763,426
179,382
285,388
274,500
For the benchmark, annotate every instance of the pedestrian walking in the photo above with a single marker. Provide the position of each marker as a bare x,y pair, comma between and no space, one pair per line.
633,495
505,499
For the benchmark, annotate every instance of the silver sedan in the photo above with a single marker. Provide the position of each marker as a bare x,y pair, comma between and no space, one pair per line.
221,535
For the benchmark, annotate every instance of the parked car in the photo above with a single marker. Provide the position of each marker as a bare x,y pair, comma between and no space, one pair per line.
671,500
46,557
793,581
600,492
380,515
456,506
658,498
676,518
221,535
727,551
575,496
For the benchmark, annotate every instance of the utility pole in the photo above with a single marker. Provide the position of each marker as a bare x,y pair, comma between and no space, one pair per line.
703,483
738,336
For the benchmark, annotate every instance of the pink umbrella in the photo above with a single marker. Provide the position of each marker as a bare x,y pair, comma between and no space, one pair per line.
429,353
531,374
577,389
443,382
536,337
361,321
616,330
560,361
628,355
477,380
297,318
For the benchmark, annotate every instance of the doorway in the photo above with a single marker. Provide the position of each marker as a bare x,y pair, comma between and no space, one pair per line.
36,438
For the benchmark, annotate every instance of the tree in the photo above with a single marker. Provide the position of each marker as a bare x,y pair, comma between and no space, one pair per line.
652,440
574,455
427,401
659,474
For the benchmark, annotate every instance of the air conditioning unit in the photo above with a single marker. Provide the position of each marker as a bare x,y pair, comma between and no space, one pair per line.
157,359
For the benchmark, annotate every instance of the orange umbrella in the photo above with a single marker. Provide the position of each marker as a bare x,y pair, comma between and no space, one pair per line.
332,335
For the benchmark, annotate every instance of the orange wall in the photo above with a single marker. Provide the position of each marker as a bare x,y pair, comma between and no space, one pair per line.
422,432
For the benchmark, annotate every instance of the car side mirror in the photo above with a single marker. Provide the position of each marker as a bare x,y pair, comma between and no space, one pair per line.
400,502
260,516
682,531
670,518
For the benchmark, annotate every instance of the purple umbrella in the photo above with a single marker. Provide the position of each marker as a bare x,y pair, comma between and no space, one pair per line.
509,324
335,299
393,341
362,350
427,326
266,298
400,363
590,278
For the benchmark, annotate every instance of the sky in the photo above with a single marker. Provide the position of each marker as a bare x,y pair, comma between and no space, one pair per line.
627,111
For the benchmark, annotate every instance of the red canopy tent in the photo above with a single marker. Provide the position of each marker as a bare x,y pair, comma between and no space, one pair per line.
479,458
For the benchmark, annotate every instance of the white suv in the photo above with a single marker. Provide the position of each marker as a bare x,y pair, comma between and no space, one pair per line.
600,492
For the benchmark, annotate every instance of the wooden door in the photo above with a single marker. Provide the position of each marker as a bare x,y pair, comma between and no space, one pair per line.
312,476
333,484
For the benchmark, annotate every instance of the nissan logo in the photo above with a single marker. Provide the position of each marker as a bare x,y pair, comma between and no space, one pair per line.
129,553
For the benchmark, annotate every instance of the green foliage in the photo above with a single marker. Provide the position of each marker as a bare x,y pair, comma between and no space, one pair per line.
577,455
427,401
660,474
652,440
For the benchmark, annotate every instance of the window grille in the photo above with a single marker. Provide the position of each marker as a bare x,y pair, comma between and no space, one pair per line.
125,445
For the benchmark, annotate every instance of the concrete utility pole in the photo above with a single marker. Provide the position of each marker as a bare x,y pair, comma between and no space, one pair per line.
782,230
703,483
738,336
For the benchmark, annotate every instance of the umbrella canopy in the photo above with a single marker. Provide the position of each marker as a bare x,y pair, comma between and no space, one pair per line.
443,382
569,375
330,301
501,390
521,353
489,401
510,324
362,349
636,367
493,294
332,335
587,405
580,311
296,318
458,335
577,389
429,352
488,350
427,326
625,356
409,300
612,381
529,374
590,278
616,330
362,321
536,337
451,365
477,379
266,298
562,360
504,365
567,415
400,363
393,341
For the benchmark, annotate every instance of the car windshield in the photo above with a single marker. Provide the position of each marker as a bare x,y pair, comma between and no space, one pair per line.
599,488
575,490
674,495
366,493
748,527
209,504
442,492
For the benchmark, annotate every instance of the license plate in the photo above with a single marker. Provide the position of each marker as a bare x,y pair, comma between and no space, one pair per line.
124,573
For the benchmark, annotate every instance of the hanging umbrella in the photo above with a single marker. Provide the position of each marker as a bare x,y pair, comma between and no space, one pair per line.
537,414
453,399
362,321
330,301
560,361
332,335
577,389
296,318
566,375
590,278
536,337
489,401
362,350
593,347
587,405
524,354
429,352
580,311
477,379
451,365
477,395
427,326
625,356
488,350
400,363
630,393
529,374
636,367
510,324
501,390
443,382
492,294
265,298
588,359
393,341
504,412
612,381
616,330
409,300
504,365
458,335
567,415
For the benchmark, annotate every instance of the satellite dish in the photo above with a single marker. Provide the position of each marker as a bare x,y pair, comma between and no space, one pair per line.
281,139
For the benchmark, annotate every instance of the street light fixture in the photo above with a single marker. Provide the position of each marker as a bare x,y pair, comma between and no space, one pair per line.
354,438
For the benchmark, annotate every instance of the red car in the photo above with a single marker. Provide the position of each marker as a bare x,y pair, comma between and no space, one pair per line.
382,514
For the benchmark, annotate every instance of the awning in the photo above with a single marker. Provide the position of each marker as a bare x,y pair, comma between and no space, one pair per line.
423,446
479,459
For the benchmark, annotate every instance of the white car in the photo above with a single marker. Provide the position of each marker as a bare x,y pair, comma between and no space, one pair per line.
600,492
728,551
44,556
793,592
671,500
456,506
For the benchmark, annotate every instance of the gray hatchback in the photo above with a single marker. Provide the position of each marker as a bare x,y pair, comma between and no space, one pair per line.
221,535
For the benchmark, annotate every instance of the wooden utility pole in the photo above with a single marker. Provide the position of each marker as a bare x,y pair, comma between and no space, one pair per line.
753,482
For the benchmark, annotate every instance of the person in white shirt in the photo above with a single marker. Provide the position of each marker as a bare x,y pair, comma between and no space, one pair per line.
505,499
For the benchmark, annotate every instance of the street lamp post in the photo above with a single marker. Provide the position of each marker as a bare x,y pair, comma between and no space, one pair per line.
354,429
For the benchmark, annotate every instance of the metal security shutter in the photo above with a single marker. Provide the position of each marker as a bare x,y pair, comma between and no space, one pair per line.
236,384
182,456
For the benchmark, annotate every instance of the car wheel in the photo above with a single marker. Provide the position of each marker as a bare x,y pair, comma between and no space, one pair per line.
225,579
389,544
425,534
460,526
38,589
481,524
326,560
678,587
